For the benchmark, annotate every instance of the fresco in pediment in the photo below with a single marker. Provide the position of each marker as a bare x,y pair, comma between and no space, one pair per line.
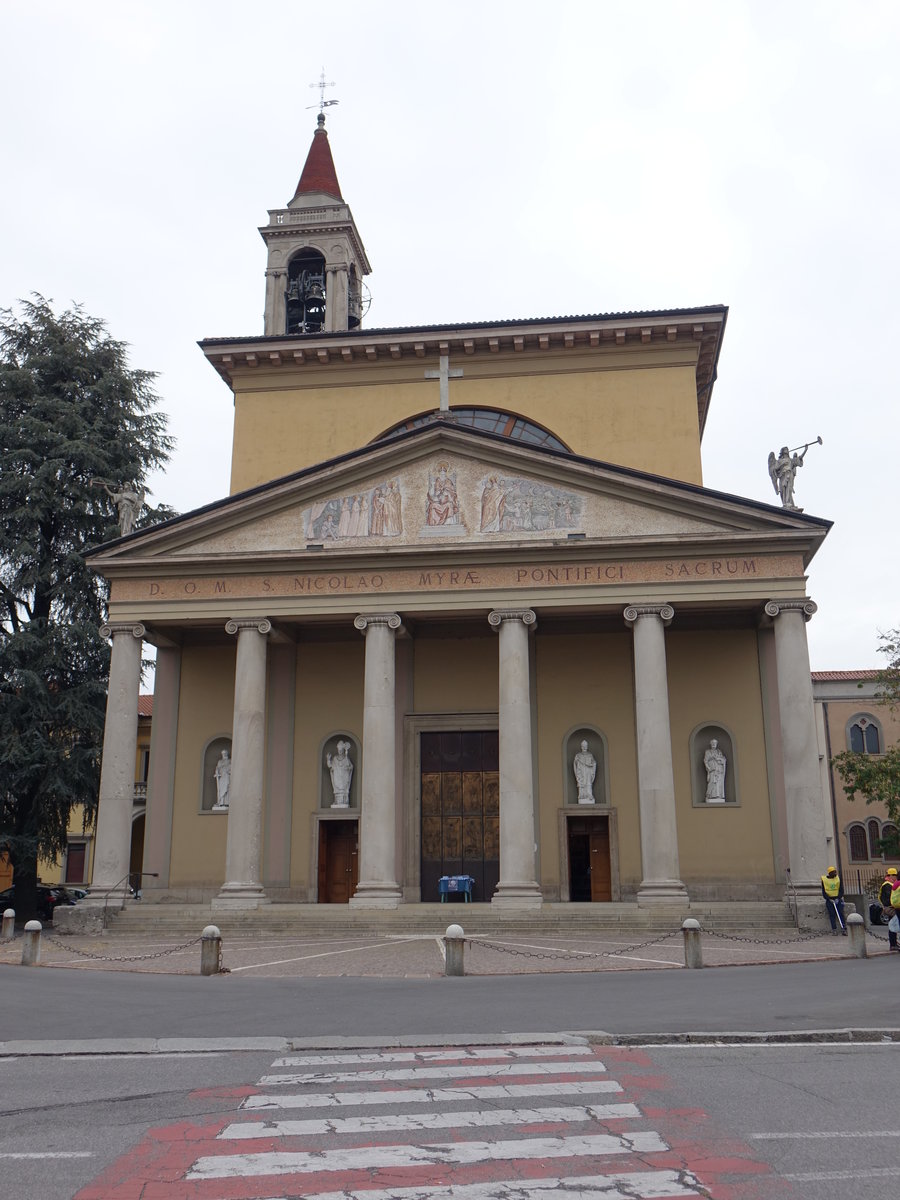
371,512
517,505
443,499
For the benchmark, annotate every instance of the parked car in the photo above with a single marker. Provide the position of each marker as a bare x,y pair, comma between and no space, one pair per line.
47,900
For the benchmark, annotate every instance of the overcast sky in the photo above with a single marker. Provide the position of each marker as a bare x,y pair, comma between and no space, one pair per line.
502,160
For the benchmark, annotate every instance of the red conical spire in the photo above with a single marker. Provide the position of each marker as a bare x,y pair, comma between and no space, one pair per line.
318,173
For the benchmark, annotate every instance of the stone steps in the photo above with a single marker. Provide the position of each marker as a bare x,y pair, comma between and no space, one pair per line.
320,920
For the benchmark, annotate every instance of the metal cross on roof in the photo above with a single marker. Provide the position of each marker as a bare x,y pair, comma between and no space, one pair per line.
445,375
322,85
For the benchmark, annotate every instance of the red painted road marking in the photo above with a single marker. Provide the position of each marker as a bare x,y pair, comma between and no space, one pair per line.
680,1148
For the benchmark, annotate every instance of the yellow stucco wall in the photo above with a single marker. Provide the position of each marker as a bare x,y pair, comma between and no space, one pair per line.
622,407
329,698
457,675
586,680
205,711
714,679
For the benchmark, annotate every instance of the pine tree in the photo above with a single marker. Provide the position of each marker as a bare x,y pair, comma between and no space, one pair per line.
71,412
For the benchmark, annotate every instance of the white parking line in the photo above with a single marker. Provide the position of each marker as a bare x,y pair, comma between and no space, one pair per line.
280,962
842,1133
47,1154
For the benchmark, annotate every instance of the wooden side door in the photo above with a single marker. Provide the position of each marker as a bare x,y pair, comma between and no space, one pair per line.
338,861
601,874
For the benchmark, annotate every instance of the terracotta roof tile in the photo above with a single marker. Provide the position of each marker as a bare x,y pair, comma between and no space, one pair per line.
145,706
318,173
843,676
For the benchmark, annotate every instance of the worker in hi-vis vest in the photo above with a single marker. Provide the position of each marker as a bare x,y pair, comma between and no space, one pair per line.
833,891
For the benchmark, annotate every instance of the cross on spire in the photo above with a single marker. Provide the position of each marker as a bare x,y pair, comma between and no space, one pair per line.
445,374
322,85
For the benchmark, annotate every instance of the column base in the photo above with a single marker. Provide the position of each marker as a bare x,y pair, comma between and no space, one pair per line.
517,896
80,918
236,896
662,891
371,894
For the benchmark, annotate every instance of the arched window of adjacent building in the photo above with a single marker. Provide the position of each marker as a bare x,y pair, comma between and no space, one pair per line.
874,838
493,420
889,835
859,849
863,735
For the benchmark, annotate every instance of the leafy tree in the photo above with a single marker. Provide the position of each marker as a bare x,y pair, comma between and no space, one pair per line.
71,411
876,777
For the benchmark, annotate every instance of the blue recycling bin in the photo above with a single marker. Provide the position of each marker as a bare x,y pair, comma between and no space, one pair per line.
456,885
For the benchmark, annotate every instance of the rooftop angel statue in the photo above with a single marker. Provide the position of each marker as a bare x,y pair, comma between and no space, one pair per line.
783,469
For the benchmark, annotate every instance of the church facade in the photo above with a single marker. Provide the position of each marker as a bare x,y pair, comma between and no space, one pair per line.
468,614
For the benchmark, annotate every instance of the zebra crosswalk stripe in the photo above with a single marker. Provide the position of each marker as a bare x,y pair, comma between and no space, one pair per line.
450,1055
503,1091
629,1185
410,1122
442,1154
507,1070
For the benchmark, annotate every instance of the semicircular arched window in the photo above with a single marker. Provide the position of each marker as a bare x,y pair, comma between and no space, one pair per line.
491,419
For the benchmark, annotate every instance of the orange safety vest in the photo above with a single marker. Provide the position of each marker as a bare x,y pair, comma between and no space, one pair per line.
832,885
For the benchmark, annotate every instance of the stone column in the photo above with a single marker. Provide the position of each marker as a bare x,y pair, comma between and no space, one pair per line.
112,852
276,308
518,887
804,801
336,296
378,887
656,781
242,887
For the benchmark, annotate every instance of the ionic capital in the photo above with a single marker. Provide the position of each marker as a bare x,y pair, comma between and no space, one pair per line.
807,607
261,624
527,616
665,612
111,628
364,620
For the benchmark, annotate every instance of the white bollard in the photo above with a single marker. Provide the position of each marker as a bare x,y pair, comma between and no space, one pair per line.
8,927
454,948
856,931
210,950
31,944
693,951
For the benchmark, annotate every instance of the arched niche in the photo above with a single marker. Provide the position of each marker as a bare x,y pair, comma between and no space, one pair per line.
326,791
597,745
211,753
701,738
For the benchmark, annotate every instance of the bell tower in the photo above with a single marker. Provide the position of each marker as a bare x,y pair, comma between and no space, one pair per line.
316,260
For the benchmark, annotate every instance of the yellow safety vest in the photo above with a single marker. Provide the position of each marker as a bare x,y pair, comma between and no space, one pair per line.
832,885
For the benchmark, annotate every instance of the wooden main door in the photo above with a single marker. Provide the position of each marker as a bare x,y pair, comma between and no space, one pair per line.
338,861
460,789
590,874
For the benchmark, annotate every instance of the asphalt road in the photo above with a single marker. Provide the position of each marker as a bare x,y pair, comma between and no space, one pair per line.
769,1122
38,1004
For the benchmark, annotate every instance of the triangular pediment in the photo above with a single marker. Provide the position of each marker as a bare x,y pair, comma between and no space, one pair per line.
442,486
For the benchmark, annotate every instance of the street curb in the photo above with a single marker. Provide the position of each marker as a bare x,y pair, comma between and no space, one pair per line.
283,1045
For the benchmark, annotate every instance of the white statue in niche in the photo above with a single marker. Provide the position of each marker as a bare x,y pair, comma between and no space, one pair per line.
585,767
340,767
222,775
715,762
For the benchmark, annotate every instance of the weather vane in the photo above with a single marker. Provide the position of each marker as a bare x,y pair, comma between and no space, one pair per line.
322,85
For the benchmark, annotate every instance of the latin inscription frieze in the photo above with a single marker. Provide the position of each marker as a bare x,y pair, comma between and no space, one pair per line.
459,578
